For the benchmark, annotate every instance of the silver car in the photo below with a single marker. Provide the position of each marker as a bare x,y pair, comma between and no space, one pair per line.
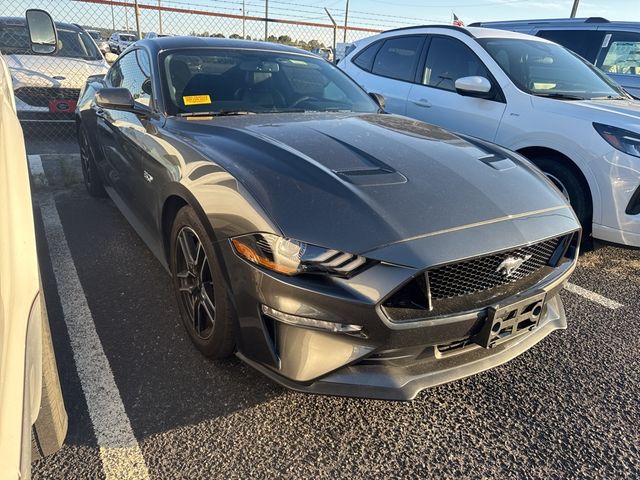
46,88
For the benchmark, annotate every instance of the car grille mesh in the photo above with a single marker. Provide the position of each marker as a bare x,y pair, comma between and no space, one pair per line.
40,96
484,273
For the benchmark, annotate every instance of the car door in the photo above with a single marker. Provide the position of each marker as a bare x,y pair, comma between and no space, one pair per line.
392,69
126,138
620,59
434,98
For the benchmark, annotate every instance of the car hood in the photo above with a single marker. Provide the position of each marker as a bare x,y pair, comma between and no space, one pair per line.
48,71
620,113
357,182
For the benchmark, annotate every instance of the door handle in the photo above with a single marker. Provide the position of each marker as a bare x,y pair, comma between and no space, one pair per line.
422,102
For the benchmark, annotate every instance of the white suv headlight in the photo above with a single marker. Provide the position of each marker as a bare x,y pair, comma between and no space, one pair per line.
624,140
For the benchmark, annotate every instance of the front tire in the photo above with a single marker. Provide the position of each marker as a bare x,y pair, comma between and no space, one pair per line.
200,289
90,172
571,186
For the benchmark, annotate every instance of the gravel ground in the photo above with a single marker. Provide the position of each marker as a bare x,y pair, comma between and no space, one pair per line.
567,408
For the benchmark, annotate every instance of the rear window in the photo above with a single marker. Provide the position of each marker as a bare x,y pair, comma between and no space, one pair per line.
398,57
365,58
14,39
585,43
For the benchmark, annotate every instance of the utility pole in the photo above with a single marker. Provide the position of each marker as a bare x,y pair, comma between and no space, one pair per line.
574,9
160,16
113,19
346,20
126,18
137,11
335,30
243,20
266,20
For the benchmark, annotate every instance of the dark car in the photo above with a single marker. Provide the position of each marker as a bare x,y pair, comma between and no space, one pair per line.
335,248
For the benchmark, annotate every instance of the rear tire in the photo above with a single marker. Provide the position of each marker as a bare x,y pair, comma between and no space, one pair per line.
571,186
200,289
90,172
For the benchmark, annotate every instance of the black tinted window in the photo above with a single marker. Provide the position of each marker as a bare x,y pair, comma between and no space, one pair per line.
365,58
585,43
397,58
449,59
132,72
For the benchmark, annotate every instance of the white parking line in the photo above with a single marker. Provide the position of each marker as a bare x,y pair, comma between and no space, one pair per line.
37,171
594,297
119,450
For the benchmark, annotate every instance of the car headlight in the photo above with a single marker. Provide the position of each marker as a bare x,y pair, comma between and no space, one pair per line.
620,139
291,257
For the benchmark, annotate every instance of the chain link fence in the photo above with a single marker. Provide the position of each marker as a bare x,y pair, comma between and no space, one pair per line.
92,32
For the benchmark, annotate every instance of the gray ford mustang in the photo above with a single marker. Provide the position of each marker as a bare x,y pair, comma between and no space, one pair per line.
333,247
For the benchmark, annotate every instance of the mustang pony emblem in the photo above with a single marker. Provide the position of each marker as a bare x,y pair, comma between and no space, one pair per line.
510,264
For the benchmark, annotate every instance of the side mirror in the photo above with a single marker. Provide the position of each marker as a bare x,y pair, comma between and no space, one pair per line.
42,32
115,99
474,86
379,99
110,57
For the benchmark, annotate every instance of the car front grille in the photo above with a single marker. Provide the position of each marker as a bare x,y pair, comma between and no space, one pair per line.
484,273
40,96
479,282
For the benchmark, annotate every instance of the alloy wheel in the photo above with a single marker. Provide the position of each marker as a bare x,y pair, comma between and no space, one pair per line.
85,158
195,282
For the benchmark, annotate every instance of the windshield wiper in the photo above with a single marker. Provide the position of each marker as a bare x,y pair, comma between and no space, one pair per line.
221,113
610,97
560,96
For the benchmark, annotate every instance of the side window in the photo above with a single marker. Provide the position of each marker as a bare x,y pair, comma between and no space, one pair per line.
397,58
585,43
622,54
135,74
365,58
449,59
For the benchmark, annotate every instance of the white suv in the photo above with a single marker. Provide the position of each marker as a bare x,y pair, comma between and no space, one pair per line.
119,42
527,94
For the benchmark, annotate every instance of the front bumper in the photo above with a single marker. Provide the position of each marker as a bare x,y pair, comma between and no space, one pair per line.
617,176
430,367
392,360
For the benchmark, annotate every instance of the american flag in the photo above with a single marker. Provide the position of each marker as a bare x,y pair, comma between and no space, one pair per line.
457,22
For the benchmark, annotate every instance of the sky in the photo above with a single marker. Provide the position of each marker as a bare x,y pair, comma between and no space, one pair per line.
377,14
485,10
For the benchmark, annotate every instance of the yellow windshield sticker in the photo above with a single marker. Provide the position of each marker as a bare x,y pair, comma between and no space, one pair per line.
298,62
196,100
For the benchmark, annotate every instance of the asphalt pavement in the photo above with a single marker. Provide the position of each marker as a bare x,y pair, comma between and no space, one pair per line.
567,408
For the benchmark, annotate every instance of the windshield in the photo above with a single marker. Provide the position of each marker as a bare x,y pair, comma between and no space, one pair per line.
547,69
222,80
14,39
127,38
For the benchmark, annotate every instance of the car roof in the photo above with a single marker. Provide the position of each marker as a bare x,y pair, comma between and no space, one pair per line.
170,43
474,32
20,21
588,22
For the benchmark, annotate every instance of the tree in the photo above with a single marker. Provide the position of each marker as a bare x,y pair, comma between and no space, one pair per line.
285,39
235,35
218,35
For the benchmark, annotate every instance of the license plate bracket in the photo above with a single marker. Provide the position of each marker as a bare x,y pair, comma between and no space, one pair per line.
505,321
62,105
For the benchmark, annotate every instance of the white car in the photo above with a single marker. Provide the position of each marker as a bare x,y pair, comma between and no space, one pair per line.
47,87
151,35
119,42
526,94
103,45
32,415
